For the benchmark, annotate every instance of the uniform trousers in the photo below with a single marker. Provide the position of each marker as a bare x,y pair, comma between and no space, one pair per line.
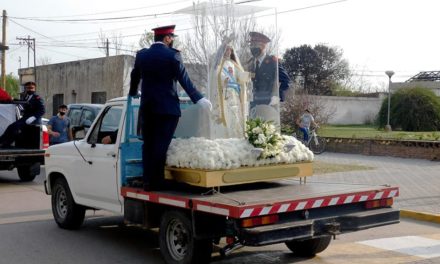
157,133
12,132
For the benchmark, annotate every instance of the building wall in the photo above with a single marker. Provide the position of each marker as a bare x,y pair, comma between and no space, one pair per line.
77,80
352,110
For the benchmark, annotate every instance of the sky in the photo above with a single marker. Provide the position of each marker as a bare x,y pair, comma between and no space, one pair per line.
374,35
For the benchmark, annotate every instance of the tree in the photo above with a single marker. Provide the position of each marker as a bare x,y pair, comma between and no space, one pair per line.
12,85
115,43
146,40
294,106
214,21
412,109
321,67
45,60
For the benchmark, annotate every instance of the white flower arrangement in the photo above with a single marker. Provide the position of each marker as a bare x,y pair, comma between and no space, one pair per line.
231,153
263,134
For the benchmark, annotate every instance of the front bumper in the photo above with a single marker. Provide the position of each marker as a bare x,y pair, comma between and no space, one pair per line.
306,229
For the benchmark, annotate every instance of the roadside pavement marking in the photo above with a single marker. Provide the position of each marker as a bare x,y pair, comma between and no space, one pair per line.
435,218
411,245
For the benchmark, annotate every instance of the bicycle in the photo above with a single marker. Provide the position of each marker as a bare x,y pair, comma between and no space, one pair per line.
314,143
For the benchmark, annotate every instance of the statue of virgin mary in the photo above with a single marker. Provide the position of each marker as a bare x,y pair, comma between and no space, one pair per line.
228,93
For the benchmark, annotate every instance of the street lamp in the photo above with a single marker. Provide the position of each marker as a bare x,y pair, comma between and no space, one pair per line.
390,74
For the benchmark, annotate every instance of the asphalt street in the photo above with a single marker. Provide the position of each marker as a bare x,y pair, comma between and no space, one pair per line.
28,233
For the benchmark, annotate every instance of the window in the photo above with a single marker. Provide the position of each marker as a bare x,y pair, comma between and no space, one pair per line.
107,125
74,115
99,97
57,99
88,115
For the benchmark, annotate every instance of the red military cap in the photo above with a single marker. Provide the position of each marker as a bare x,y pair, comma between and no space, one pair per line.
258,37
166,30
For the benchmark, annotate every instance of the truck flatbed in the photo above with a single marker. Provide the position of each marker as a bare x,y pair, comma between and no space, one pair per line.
264,198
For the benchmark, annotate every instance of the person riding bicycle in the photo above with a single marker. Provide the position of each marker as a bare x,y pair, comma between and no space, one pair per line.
304,122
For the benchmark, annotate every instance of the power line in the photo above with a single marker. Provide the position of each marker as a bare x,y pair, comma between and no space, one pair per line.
31,30
312,6
114,18
115,11
63,53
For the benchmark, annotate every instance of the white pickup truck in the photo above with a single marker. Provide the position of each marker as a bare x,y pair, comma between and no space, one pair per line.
85,174
27,154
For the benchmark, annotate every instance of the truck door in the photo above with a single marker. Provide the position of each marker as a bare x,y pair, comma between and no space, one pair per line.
99,180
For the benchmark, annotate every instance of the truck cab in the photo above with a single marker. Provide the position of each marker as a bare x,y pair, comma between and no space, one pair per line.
92,165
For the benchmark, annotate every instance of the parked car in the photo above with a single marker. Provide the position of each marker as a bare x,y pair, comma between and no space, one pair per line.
83,114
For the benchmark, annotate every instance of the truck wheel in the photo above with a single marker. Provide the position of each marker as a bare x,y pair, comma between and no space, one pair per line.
29,172
309,247
67,213
177,244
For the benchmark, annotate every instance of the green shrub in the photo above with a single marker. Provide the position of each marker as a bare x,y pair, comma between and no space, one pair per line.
412,109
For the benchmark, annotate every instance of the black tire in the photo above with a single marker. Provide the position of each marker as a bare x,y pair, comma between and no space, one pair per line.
317,147
29,172
309,247
177,244
66,212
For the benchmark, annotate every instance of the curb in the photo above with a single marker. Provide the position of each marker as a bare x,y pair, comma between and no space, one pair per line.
427,217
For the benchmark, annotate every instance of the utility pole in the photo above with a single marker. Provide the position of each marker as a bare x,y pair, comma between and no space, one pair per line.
106,48
3,49
30,42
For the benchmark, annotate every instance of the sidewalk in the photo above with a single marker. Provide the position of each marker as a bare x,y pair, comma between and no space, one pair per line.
418,180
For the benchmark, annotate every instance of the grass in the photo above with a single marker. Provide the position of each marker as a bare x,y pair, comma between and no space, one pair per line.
320,167
364,131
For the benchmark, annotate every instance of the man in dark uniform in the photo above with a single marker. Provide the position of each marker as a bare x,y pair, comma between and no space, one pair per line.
33,110
264,67
160,67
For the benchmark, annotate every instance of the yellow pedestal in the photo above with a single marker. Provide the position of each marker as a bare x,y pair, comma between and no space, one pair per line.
215,178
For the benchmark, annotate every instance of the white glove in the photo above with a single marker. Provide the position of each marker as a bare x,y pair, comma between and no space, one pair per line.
30,120
205,103
274,100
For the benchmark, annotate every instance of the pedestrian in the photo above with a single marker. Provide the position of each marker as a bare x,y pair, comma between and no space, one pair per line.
304,122
159,67
59,127
264,69
33,110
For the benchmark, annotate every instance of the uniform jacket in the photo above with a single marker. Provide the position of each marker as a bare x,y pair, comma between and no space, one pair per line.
160,67
33,107
264,81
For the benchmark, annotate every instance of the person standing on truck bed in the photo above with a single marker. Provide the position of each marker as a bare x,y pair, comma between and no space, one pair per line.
32,113
59,127
159,67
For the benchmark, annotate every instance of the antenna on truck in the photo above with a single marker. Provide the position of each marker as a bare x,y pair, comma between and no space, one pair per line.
87,161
